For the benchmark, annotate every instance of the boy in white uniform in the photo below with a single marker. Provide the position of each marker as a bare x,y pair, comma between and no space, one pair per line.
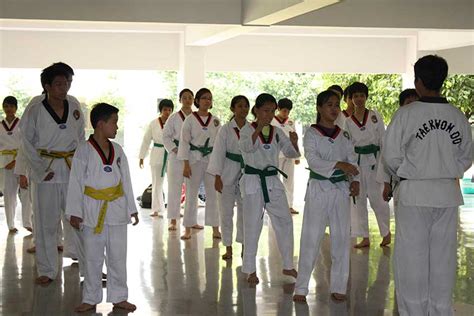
261,188
158,156
287,165
50,132
366,129
171,134
428,145
9,145
226,165
195,144
100,204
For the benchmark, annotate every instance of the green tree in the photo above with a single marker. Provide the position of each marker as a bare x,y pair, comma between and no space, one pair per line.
459,90
15,88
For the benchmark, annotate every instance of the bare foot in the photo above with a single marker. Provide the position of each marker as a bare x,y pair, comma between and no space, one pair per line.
84,307
252,278
386,240
126,306
197,226
338,296
187,234
154,214
43,280
228,253
293,211
13,231
216,235
31,250
291,272
29,229
299,298
172,227
365,242
60,248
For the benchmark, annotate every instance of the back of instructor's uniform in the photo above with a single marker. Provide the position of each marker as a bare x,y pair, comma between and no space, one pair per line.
428,145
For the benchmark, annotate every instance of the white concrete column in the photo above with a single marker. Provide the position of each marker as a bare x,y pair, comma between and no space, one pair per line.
411,57
192,70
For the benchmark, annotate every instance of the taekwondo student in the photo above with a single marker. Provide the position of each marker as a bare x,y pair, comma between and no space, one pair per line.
51,130
226,165
428,145
100,204
366,129
261,189
332,163
171,134
158,156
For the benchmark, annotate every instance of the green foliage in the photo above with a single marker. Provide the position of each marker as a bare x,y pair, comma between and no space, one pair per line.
170,80
459,90
15,88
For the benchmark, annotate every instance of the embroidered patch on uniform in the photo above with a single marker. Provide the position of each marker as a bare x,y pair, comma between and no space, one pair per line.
346,135
76,114
108,169
216,122
374,119
119,161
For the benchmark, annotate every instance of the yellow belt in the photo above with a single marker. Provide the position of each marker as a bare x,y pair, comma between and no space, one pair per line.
6,152
107,195
66,155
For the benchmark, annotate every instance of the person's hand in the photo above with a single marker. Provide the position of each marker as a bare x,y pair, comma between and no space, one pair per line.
23,182
141,163
347,168
175,150
49,176
135,219
387,192
187,171
218,185
297,162
10,165
354,188
75,222
294,138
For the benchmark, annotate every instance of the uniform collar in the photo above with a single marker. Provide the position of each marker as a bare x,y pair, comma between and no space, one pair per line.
433,100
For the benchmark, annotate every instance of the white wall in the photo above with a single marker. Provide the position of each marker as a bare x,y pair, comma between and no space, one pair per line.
26,49
460,60
308,54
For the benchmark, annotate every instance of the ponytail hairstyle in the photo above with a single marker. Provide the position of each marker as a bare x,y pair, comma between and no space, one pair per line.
199,94
322,98
236,100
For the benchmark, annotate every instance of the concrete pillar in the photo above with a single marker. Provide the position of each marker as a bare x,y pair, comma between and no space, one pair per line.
411,57
192,70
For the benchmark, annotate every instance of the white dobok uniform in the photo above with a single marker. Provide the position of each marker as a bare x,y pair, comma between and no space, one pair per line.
158,162
226,161
429,146
367,137
171,135
261,160
195,145
9,145
42,130
287,165
92,168
326,203
341,118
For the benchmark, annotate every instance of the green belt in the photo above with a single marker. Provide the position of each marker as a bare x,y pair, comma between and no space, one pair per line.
204,150
165,159
235,157
337,176
263,173
367,150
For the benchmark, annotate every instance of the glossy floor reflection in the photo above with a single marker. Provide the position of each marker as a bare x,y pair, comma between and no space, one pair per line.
167,276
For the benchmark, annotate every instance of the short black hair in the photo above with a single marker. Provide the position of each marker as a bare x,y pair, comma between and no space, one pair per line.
59,65
199,94
405,94
432,70
49,73
358,87
238,98
345,94
102,112
285,103
165,103
11,100
184,91
337,88
264,98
